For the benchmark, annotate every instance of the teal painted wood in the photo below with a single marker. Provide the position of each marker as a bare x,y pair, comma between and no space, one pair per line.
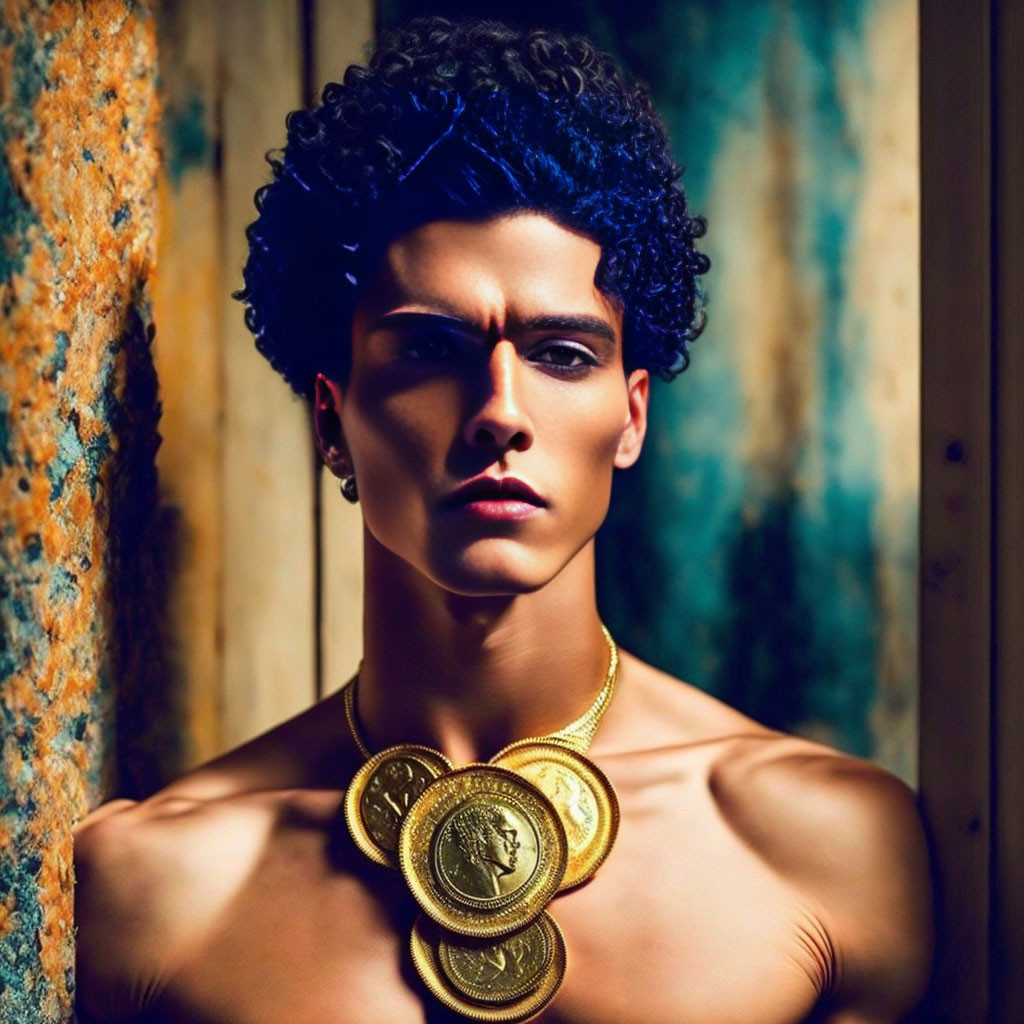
765,549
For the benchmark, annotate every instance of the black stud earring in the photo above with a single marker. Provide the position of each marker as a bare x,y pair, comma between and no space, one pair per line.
348,488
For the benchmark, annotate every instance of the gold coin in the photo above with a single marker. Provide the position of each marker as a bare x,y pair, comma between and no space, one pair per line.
502,969
498,973
581,794
381,793
482,851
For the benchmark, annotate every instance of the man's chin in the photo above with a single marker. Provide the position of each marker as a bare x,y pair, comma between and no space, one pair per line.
493,573
492,583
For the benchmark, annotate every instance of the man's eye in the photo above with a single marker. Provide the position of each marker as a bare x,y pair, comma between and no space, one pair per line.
430,348
565,356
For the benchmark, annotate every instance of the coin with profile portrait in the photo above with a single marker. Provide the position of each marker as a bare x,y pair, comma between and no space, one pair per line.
381,793
581,794
510,978
482,851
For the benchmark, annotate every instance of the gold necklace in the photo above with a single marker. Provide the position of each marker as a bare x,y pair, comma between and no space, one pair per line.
483,849
577,735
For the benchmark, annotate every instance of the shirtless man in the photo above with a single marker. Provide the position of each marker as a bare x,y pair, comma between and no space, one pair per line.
756,878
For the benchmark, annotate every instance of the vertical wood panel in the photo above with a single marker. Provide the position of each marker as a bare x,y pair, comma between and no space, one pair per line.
885,301
956,489
1009,553
187,293
342,31
341,625
342,35
268,589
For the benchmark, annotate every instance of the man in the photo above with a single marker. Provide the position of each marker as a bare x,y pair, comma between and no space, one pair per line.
482,846
473,255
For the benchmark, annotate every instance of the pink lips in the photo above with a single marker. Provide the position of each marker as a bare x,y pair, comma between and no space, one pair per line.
495,498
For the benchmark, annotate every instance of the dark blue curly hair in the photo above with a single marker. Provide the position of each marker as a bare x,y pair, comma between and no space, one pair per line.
467,120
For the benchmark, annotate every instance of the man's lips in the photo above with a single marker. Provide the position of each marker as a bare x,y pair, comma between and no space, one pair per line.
490,488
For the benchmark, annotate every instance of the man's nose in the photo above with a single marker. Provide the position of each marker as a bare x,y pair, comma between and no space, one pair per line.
500,419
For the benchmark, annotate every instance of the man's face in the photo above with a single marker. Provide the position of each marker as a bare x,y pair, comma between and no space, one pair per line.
503,844
485,349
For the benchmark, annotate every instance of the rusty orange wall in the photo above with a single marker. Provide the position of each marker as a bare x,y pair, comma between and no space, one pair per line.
78,414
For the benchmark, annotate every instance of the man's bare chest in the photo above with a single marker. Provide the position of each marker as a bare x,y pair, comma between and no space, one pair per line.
681,924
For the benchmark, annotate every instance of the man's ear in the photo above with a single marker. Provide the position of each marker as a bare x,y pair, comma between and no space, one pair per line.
635,428
330,437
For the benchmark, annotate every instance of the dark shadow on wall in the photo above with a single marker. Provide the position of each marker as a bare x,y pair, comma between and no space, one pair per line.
765,664
633,575
765,637
144,556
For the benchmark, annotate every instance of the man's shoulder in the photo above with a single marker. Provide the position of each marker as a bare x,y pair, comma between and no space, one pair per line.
810,808
848,838
776,789
809,811
816,816
842,834
151,877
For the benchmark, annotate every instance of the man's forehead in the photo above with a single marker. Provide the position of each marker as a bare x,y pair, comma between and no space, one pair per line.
508,269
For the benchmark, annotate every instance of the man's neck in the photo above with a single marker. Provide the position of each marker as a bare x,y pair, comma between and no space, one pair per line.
467,675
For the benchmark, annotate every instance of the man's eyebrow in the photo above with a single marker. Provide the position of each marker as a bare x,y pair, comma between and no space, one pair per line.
413,319
579,323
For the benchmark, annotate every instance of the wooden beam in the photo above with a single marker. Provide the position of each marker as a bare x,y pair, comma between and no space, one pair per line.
956,467
1008,555
269,564
342,32
188,289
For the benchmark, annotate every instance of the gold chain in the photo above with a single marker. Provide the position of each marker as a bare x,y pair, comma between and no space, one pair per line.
577,735
349,702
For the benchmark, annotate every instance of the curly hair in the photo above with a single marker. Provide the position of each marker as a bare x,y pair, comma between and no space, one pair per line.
473,827
468,120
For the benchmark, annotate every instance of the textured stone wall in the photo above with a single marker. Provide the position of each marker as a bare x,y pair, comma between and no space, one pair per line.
79,561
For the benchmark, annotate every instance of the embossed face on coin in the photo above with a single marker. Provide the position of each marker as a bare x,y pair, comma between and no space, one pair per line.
485,849
389,794
482,851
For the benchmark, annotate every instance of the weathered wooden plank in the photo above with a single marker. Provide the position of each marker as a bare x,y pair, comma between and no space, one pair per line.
341,567
188,288
956,684
268,588
1008,564
342,31
342,35
883,328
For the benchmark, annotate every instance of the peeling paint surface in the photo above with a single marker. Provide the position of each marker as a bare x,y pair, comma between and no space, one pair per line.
187,144
765,546
77,130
